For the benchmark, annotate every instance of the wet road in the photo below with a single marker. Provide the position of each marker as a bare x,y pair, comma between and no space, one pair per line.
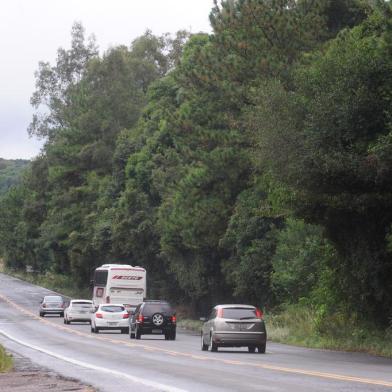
112,362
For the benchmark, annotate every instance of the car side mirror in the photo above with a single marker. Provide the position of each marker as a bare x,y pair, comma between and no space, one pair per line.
204,319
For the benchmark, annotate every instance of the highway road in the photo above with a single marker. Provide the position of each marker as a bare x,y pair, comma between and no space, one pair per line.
112,362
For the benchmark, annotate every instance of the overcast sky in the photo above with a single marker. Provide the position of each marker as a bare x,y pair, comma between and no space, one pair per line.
33,30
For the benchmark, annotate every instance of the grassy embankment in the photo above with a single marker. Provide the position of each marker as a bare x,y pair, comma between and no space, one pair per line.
297,324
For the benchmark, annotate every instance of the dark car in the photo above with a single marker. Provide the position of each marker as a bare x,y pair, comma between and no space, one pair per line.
153,317
52,304
234,326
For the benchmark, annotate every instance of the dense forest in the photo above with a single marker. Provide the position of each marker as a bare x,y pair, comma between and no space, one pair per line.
11,171
250,164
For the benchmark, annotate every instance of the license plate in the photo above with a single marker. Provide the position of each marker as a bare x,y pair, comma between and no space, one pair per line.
112,323
156,331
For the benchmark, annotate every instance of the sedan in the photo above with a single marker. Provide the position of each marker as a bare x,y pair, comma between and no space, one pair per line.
234,326
52,304
78,310
110,316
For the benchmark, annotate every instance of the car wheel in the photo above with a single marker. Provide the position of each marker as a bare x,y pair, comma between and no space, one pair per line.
124,330
251,349
167,336
96,329
138,335
62,314
213,346
158,319
261,348
92,329
65,321
204,346
173,335
41,314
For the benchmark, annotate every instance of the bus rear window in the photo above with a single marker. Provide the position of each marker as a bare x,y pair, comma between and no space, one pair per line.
100,278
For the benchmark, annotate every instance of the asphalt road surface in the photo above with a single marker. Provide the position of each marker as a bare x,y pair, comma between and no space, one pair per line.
112,362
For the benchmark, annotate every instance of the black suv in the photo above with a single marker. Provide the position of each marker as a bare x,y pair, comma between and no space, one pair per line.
153,317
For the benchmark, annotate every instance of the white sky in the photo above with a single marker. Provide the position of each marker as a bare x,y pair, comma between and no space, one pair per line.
33,30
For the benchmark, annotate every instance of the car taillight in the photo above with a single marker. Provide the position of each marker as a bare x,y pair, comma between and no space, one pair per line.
98,315
108,300
259,314
173,319
125,315
219,314
140,318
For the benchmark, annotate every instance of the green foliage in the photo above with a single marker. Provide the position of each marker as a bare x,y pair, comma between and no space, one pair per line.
302,257
250,240
332,156
11,172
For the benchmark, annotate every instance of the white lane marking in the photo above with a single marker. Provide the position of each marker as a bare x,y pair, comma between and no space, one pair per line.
152,384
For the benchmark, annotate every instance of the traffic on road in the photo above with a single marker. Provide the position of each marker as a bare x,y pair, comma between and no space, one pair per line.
111,361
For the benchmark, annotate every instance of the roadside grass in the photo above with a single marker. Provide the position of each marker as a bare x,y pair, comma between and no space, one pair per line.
190,325
6,361
302,326
55,282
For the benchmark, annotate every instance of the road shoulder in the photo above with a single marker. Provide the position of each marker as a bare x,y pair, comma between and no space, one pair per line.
29,377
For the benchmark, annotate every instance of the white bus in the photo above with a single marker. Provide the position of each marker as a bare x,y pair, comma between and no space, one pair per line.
119,284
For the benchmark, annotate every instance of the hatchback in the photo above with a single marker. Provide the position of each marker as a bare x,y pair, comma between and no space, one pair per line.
78,310
153,317
234,326
110,316
52,304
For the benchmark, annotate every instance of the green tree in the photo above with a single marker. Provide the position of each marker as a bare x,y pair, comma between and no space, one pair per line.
329,144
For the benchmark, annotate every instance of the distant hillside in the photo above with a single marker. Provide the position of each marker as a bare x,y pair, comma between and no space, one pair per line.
10,172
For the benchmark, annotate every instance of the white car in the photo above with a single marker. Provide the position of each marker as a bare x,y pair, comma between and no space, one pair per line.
110,316
78,310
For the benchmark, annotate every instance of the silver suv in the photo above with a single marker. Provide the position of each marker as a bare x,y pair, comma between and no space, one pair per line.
234,326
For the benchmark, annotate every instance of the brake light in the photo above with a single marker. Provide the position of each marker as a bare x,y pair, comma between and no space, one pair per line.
219,314
173,319
140,318
125,315
108,300
98,315
259,314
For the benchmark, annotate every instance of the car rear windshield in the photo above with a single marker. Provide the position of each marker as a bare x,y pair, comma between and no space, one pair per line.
82,305
157,308
112,309
53,298
239,313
